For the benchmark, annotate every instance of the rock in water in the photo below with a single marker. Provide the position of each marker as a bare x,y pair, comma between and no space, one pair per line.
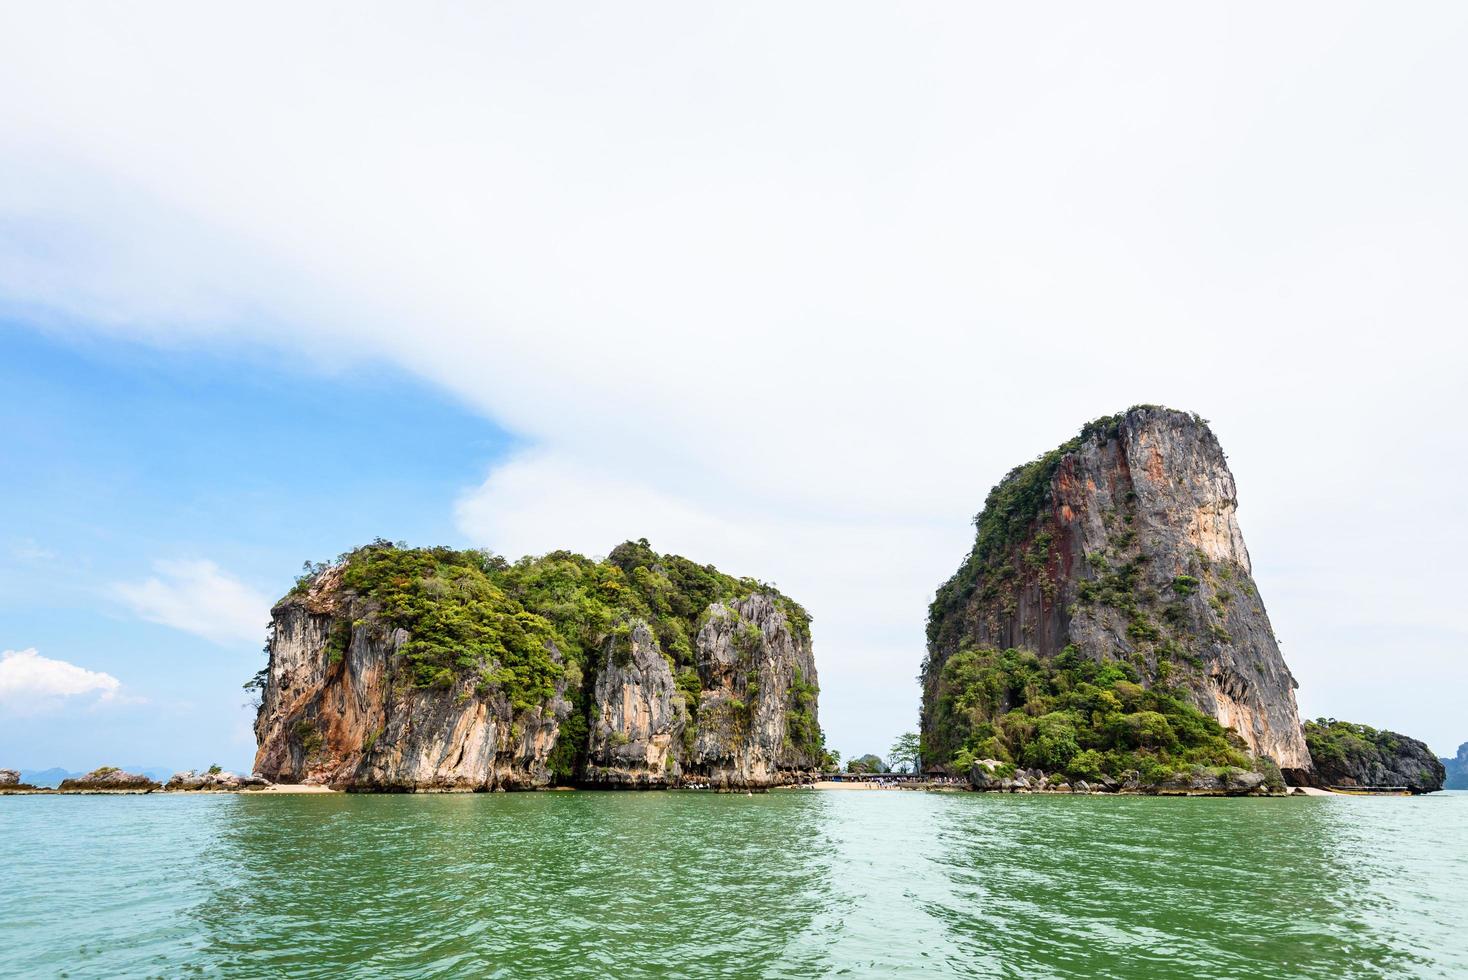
109,778
1123,544
9,777
1349,755
217,780
435,669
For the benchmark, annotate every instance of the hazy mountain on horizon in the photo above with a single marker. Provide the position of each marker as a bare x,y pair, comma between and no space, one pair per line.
1457,768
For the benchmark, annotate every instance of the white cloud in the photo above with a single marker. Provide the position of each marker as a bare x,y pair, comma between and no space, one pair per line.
29,681
197,597
28,550
789,290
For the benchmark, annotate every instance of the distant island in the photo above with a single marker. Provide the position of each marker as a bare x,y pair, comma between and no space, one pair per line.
1456,769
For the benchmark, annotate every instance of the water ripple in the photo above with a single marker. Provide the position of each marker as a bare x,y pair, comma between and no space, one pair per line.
781,885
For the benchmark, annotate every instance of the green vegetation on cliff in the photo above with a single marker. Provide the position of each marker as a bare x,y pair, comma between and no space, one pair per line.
1071,715
1345,753
1008,519
1014,533
523,627
460,621
1342,743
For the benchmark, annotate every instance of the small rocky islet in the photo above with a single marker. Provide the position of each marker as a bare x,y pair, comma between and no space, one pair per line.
1103,635
111,779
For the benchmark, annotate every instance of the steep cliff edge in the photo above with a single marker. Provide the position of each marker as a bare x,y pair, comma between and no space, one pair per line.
436,669
1120,548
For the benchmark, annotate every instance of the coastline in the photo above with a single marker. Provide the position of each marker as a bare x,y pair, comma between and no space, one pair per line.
276,789
316,789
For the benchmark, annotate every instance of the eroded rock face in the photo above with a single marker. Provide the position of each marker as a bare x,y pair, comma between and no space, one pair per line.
1126,546
746,726
344,714
9,777
338,707
752,668
638,716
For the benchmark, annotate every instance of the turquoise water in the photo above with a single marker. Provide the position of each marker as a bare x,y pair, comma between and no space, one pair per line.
787,884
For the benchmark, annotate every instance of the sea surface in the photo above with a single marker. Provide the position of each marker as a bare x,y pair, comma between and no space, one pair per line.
785,884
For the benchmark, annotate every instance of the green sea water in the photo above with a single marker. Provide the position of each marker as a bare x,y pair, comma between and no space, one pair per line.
785,884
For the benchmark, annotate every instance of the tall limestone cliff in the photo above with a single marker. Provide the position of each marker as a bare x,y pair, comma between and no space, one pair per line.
1122,544
435,669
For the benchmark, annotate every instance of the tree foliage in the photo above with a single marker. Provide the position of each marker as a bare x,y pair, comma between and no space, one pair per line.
905,755
1071,715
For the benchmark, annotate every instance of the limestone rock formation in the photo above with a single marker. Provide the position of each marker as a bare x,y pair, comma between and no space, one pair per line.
224,781
109,778
731,725
757,711
1123,543
9,777
638,716
1350,756
431,669
339,707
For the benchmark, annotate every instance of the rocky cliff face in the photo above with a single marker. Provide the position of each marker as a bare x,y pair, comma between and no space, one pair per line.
402,669
1123,543
341,707
1351,755
741,724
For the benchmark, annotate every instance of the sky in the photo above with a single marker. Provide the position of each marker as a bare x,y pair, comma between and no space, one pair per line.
782,289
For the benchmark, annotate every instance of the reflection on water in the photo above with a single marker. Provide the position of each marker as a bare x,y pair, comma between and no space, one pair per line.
784,884
519,885
1158,887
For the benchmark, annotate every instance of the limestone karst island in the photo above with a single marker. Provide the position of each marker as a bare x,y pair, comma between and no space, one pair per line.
434,669
1104,635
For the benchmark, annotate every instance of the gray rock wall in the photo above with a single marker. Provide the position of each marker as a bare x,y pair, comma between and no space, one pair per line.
1136,554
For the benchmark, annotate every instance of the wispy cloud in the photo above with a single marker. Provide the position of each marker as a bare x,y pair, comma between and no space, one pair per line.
29,681
27,549
198,597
